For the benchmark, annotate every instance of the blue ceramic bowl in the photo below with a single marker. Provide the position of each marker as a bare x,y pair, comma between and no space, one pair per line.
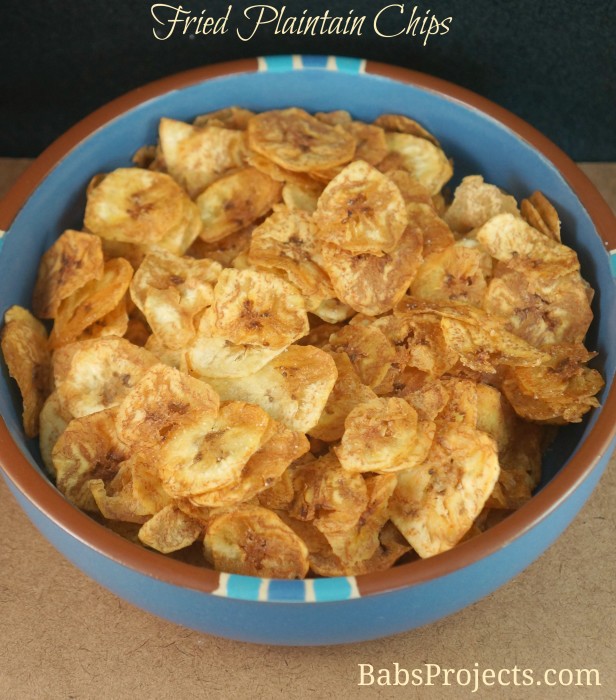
481,138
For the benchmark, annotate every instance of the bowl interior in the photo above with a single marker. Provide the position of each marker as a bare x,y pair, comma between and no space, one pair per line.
477,142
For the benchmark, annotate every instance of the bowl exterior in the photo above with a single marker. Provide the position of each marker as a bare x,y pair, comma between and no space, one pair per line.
479,137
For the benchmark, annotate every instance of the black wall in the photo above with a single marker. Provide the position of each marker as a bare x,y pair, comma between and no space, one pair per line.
552,63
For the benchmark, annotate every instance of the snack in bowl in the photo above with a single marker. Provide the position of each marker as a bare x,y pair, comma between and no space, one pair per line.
280,337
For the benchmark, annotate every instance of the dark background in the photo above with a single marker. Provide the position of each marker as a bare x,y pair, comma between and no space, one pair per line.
551,62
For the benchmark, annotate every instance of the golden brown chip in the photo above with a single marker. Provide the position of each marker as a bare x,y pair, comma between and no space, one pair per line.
257,308
484,347
371,143
404,125
235,201
296,141
361,210
422,337
212,356
540,214
456,273
88,449
540,309
475,202
561,390
91,302
327,494
169,530
287,240
71,262
210,452
142,207
429,398
511,240
228,117
92,375
360,542
52,421
171,291
384,435
293,387
115,322
262,470
370,351
436,502
162,399
423,159
224,251
24,346
254,541
302,196
197,155
373,284
348,391
116,500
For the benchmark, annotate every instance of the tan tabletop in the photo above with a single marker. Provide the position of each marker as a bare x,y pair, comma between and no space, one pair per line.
63,636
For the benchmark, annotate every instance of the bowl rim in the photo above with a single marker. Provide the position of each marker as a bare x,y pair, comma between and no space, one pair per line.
43,495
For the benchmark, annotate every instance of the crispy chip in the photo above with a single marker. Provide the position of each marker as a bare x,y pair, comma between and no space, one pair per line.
91,303
115,322
296,141
373,284
73,260
92,375
540,214
210,452
436,502
456,273
162,399
404,125
257,308
254,541
265,466
423,159
370,351
224,251
88,449
169,530
362,211
287,240
348,391
511,240
138,206
197,155
116,500
235,201
52,421
384,435
475,202
560,390
24,346
212,356
293,387
171,291
540,309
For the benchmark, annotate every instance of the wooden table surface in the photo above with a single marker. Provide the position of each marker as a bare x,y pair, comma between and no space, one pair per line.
63,636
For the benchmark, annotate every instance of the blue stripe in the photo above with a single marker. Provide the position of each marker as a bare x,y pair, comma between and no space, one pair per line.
278,64
331,589
613,262
348,64
314,61
2,242
243,587
291,591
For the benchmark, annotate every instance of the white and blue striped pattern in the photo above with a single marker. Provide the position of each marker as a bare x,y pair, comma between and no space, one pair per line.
278,591
278,64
